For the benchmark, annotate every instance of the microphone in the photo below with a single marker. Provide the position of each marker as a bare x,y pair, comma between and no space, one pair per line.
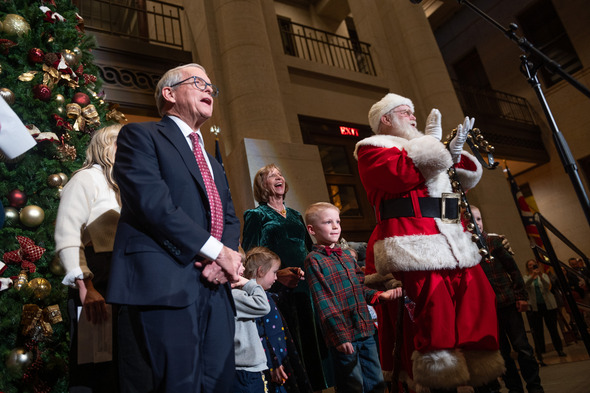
415,1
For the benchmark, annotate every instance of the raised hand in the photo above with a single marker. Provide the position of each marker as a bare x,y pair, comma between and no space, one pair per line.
456,145
433,127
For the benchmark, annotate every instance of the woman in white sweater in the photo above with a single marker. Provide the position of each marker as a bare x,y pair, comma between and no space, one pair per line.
84,234
543,308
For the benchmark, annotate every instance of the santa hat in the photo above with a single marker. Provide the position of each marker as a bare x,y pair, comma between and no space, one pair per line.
386,104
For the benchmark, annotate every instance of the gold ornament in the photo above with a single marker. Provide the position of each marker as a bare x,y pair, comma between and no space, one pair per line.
21,281
54,180
16,25
56,267
78,52
64,178
40,287
60,110
60,99
69,57
18,360
32,216
8,95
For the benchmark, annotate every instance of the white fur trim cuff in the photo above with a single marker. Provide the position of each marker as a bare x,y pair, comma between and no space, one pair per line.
444,369
429,155
484,366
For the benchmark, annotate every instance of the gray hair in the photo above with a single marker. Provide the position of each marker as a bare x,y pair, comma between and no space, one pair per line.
169,78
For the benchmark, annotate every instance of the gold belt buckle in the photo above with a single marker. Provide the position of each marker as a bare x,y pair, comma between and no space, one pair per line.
443,205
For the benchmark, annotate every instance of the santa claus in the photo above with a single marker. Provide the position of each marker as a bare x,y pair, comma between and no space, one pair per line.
450,335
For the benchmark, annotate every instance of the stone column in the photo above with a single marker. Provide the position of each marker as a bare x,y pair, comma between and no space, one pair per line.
406,52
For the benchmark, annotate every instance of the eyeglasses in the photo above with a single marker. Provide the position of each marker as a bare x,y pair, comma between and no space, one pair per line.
405,112
200,84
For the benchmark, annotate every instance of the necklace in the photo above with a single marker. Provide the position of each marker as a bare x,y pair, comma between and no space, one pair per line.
282,212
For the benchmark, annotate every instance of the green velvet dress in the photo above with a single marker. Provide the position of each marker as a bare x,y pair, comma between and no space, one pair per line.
288,238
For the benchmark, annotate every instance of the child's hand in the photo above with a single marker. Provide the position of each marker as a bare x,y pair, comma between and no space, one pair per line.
240,283
290,276
390,294
278,375
345,348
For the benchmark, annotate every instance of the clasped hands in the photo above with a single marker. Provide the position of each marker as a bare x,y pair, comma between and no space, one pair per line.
434,129
223,269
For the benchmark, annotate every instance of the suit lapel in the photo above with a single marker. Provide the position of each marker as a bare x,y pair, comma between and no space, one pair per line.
169,130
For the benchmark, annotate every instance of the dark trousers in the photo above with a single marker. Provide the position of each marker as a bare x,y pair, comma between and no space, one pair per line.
92,377
512,333
249,382
536,319
187,349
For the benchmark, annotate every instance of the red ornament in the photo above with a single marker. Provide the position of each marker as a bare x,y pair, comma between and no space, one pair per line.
17,198
36,55
81,99
42,92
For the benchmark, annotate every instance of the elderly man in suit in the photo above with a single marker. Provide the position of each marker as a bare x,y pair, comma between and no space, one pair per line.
175,248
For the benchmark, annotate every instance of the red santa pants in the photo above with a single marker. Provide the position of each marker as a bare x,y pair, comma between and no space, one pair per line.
453,309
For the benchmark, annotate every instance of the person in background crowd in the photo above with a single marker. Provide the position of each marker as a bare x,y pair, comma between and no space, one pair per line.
543,308
511,301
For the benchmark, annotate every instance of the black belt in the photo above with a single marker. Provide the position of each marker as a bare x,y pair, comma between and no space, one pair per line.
445,208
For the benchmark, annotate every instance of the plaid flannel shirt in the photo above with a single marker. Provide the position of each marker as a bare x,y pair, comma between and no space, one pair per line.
336,285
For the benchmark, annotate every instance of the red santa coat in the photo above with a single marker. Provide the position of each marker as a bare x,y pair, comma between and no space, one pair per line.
452,339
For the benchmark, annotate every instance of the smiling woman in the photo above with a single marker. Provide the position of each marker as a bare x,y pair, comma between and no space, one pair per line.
281,229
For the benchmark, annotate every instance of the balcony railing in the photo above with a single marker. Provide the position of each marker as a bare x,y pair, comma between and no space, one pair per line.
506,121
153,21
488,102
323,47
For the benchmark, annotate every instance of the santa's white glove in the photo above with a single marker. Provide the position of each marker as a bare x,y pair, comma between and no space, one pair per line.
433,127
456,145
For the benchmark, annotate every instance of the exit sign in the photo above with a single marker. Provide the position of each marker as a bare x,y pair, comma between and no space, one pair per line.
349,131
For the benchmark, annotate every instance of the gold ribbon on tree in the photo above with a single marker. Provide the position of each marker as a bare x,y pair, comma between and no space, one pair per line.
51,77
26,255
35,319
83,116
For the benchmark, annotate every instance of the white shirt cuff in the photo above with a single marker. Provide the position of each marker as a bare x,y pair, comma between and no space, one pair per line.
72,276
211,249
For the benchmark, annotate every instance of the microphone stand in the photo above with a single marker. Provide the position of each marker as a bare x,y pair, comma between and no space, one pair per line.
530,71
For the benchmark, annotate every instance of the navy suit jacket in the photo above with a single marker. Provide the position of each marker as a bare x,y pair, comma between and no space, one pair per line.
165,217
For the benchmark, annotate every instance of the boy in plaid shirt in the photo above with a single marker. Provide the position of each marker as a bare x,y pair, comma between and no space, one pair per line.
336,285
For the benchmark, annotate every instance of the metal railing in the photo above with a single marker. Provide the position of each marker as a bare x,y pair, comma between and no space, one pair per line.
323,47
549,256
154,21
494,103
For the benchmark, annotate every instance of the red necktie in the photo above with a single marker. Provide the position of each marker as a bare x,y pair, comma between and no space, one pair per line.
335,250
212,193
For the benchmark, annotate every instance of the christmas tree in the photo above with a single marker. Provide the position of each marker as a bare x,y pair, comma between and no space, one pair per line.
48,78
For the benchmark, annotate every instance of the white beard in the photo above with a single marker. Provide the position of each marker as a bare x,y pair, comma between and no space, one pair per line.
404,130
